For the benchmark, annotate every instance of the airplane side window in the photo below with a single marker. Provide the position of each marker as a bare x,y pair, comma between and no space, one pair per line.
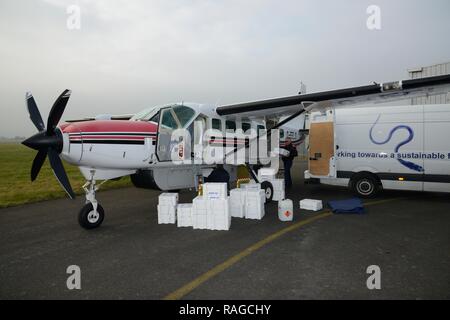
260,127
155,118
184,114
230,125
217,124
168,120
246,126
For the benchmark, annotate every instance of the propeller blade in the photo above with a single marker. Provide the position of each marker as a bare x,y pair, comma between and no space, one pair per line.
60,173
57,111
33,110
37,163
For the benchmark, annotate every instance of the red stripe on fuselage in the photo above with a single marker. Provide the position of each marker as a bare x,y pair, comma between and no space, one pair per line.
105,126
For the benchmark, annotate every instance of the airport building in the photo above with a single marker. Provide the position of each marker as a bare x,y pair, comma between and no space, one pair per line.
429,71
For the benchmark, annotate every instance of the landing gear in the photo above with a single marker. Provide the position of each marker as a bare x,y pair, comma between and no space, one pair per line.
92,214
268,190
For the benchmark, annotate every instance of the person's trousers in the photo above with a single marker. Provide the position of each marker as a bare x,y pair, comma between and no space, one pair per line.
287,173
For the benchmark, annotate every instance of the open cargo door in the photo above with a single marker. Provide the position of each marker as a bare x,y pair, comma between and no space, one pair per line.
321,148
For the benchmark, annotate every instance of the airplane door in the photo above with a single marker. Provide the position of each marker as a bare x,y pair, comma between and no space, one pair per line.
168,123
321,148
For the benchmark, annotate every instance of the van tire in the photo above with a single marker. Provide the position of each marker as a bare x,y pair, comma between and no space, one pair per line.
365,185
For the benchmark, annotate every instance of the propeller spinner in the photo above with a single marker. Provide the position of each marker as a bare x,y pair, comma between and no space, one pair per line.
48,141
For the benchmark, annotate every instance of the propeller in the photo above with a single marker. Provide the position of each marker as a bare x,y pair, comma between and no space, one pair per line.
48,141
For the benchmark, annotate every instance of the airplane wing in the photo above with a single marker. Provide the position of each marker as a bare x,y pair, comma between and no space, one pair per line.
374,93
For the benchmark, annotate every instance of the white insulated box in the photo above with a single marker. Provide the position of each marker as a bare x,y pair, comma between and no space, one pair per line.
213,190
237,203
219,217
184,215
311,204
266,174
254,204
278,189
251,186
168,198
166,214
199,212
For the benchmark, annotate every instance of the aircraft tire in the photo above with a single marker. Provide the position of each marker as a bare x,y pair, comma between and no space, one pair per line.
87,219
268,190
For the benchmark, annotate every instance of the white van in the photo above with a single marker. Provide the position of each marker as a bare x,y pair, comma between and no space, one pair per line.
373,148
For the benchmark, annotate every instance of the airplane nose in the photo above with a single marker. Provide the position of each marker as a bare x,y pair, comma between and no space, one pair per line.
41,141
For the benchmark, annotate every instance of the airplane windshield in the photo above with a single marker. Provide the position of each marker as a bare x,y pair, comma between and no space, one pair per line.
183,114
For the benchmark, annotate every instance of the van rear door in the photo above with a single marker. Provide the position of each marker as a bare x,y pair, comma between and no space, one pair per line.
321,148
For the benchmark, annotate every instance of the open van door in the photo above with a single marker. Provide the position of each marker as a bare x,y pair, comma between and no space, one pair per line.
321,148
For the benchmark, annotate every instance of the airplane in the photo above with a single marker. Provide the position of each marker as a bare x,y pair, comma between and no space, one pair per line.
143,145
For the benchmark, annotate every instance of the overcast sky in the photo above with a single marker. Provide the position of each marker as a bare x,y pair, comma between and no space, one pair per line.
131,54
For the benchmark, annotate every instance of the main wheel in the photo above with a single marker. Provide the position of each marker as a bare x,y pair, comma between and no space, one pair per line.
89,219
268,189
365,185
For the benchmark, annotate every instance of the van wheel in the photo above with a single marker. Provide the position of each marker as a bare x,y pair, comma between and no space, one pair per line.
365,185
268,190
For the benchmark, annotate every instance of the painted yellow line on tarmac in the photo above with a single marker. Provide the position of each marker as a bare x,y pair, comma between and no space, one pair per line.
184,290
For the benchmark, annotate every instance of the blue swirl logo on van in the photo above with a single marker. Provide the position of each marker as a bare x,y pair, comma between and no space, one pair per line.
407,164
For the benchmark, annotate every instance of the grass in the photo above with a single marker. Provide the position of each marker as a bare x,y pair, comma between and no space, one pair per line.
16,187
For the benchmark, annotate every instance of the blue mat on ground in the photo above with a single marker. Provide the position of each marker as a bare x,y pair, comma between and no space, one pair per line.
353,205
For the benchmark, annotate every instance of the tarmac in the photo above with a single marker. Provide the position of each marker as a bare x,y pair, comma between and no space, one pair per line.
318,256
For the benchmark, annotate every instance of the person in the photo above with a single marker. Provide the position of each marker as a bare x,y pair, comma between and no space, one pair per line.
287,162
219,174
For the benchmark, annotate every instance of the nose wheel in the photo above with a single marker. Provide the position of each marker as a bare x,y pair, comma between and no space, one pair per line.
92,213
89,218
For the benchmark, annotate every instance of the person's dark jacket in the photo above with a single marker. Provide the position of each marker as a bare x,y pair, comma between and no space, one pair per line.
218,175
292,152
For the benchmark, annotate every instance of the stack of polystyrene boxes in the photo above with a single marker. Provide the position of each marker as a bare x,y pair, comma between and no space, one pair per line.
219,217
184,215
254,202
237,203
167,207
211,211
199,212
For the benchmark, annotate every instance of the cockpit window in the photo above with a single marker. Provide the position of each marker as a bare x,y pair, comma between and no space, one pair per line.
168,120
180,115
184,114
